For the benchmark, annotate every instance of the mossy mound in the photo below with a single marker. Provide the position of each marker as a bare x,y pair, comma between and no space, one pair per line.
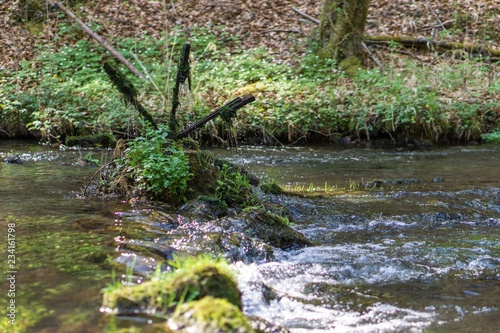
209,315
192,279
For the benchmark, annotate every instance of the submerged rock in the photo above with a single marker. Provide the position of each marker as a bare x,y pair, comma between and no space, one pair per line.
268,227
13,159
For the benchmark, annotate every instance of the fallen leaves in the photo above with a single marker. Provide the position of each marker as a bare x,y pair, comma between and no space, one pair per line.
259,23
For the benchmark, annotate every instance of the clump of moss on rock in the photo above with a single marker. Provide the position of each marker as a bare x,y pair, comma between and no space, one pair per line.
272,228
192,279
209,315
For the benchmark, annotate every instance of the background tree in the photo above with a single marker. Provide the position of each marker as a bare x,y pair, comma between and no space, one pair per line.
341,30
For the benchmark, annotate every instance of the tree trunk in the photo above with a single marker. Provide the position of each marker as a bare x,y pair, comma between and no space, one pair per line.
341,29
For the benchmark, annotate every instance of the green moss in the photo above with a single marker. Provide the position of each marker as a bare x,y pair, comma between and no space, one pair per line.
271,188
100,140
193,278
350,65
209,315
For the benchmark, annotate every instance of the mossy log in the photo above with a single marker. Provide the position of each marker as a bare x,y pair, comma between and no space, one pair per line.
227,112
421,42
431,44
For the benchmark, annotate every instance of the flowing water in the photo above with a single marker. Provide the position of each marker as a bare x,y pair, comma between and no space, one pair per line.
417,251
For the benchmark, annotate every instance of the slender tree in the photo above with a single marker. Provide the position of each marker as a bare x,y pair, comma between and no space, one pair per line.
341,29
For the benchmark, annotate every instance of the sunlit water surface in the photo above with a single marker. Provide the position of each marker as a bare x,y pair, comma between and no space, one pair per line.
407,257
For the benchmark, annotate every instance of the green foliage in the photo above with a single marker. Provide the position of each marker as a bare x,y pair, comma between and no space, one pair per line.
159,165
13,114
492,137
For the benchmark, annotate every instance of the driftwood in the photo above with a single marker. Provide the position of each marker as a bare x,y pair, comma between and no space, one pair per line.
227,112
116,54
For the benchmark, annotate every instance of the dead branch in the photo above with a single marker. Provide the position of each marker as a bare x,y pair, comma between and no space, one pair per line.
98,38
372,56
307,16
183,74
435,16
296,31
227,111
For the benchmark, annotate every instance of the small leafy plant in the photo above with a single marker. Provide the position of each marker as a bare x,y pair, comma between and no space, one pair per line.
160,167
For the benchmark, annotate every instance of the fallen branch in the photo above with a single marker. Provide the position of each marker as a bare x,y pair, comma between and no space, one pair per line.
372,56
95,174
309,17
432,44
227,112
435,16
295,31
98,38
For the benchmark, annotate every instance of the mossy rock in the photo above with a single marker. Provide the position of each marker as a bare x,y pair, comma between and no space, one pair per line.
209,315
208,281
271,188
193,278
205,208
272,229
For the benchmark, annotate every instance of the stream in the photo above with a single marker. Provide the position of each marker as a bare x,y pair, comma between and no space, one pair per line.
405,240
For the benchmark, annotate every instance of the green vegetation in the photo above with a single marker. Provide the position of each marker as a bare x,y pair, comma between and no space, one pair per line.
69,94
234,187
157,166
492,137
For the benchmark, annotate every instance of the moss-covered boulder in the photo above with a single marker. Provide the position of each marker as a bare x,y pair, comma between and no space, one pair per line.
209,315
191,279
271,228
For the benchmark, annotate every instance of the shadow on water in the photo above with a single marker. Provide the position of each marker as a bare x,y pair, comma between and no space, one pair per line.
397,257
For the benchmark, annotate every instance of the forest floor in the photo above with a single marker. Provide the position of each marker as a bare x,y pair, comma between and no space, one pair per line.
273,25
